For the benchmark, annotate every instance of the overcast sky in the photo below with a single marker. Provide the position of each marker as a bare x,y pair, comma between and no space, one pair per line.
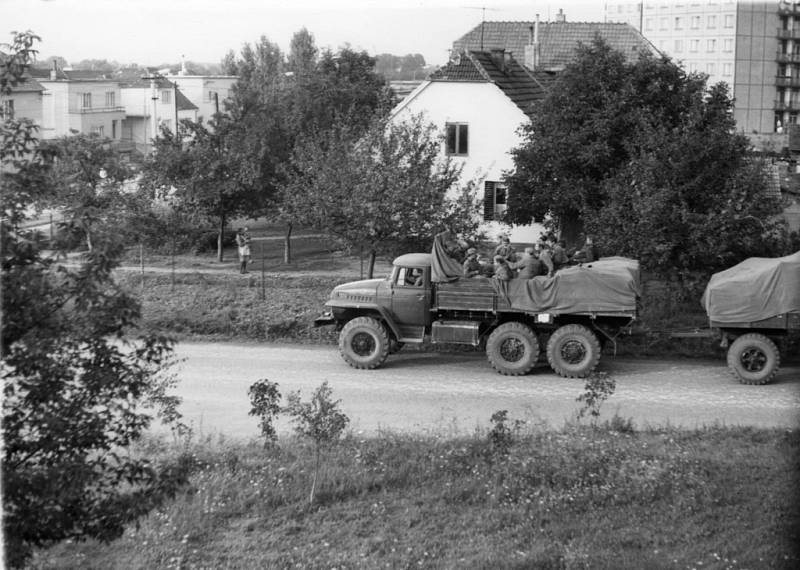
151,32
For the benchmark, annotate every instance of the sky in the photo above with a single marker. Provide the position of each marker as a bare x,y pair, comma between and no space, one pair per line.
152,32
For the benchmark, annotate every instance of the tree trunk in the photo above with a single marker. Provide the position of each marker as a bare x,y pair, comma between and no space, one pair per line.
287,244
220,237
371,263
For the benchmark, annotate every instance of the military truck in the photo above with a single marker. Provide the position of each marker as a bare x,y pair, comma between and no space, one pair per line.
571,315
753,307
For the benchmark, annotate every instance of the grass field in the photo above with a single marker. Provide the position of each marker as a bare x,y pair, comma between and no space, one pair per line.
576,497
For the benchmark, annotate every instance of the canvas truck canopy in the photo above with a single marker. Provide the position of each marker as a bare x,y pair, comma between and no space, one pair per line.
608,285
756,289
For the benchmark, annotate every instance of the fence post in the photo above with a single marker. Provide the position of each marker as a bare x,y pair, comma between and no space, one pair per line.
263,276
141,265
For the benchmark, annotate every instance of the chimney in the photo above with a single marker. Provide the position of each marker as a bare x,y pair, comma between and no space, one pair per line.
531,58
54,71
499,59
561,17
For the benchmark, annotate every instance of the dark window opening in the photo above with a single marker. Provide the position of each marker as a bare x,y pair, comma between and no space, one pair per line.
457,139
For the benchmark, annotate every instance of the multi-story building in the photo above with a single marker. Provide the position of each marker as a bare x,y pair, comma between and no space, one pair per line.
151,103
79,101
24,101
208,92
748,45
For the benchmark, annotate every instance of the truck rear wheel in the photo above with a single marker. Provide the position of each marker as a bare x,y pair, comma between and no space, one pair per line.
573,351
753,358
364,343
512,349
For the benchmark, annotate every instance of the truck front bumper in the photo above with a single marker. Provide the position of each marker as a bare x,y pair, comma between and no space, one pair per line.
325,319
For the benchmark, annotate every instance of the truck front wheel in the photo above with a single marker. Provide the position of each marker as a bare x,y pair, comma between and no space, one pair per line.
753,358
573,351
512,349
364,343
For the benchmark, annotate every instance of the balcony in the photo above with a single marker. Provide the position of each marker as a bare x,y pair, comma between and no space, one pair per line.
787,8
96,110
787,105
787,81
788,34
787,57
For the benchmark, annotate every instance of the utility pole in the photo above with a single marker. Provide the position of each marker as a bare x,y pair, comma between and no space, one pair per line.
153,98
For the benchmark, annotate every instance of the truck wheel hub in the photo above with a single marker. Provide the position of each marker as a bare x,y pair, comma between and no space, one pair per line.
753,360
573,351
512,350
363,344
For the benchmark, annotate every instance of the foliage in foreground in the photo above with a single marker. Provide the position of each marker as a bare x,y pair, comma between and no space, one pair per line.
76,394
518,497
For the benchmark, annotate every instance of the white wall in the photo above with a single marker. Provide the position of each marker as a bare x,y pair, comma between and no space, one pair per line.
493,124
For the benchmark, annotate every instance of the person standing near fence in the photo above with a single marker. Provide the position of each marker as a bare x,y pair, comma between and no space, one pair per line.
243,243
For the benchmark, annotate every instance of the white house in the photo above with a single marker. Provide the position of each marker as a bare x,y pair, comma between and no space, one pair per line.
149,104
479,100
208,92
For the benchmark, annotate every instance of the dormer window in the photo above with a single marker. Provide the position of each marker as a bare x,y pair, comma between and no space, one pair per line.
457,139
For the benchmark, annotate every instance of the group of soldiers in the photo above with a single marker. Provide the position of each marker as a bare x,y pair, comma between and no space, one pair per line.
546,257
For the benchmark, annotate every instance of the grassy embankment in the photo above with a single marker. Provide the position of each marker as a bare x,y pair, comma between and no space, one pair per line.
575,497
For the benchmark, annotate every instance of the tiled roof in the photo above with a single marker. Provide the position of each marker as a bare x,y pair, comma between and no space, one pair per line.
557,40
27,84
521,85
183,102
70,75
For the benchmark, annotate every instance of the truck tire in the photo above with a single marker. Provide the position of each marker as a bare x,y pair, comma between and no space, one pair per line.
512,349
573,351
364,343
754,359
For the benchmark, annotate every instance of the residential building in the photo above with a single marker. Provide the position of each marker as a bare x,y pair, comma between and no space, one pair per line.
151,103
207,92
479,100
24,101
79,101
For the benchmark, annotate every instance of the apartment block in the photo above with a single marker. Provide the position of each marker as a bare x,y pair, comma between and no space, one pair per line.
748,45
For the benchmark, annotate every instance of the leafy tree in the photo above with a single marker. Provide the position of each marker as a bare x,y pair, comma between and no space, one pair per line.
86,174
647,159
303,53
76,392
375,189
265,403
210,169
320,420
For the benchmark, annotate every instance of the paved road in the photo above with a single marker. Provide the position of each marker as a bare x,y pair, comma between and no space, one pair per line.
454,393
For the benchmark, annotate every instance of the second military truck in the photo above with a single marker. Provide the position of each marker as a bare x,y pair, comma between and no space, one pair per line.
570,315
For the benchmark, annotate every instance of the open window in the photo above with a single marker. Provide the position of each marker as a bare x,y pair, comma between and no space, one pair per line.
409,277
495,195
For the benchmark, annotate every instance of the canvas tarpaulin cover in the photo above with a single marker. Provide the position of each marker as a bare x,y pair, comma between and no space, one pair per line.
443,267
758,288
608,285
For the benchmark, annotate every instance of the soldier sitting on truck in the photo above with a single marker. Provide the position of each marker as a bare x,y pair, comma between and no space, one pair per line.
529,265
505,249
472,267
502,272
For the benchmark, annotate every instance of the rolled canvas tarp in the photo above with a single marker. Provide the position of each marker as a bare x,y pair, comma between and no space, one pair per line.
756,289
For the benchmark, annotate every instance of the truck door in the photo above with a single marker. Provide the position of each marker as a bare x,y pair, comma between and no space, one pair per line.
411,296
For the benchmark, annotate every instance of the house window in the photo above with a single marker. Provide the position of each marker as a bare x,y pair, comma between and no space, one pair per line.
711,46
710,68
664,23
7,110
212,95
457,139
695,22
86,100
649,24
727,45
727,69
166,97
728,20
114,129
711,22
98,130
494,201
111,99
678,46
678,23
694,45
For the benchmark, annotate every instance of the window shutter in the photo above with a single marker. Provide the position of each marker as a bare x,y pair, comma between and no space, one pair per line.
488,201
